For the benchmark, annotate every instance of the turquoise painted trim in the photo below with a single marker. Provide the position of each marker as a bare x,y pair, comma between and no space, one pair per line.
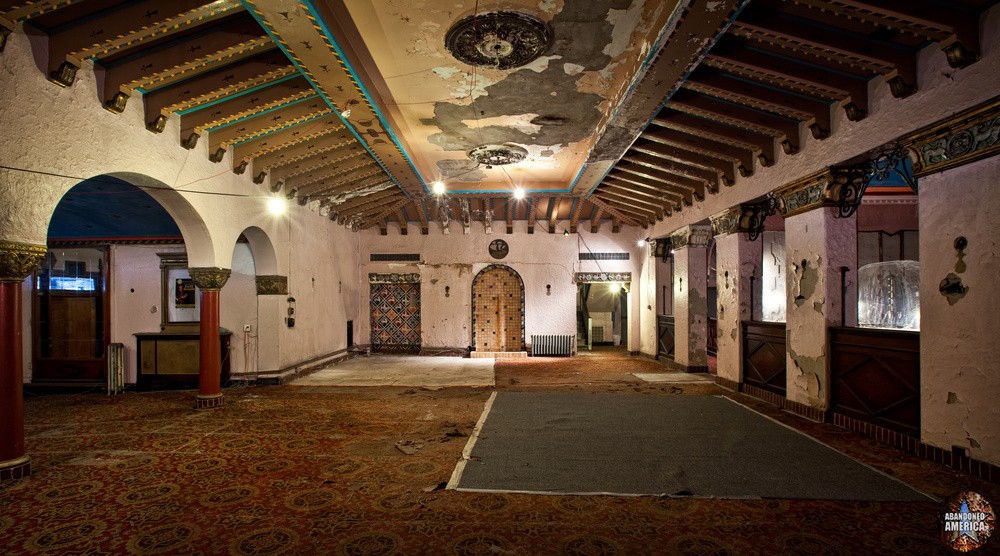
268,111
238,95
364,90
283,128
267,29
579,173
500,192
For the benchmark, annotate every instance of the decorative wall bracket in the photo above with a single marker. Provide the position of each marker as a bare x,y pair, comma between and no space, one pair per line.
394,278
754,215
852,181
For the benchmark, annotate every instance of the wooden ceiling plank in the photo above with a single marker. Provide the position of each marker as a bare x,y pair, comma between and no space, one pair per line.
687,197
278,117
744,157
786,130
401,220
555,203
311,137
689,155
19,11
746,91
336,179
659,185
342,155
204,48
331,190
674,171
794,75
532,213
362,202
880,56
647,208
719,132
609,208
664,199
332,170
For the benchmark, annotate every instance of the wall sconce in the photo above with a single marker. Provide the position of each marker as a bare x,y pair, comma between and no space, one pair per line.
290,319
447,291
548,289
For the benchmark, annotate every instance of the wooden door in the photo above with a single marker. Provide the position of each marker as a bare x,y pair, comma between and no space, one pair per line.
498,310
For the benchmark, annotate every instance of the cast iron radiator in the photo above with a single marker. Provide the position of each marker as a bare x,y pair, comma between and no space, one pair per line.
116,368
552,344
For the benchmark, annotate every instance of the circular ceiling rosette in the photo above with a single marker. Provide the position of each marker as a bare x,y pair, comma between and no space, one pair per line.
500,40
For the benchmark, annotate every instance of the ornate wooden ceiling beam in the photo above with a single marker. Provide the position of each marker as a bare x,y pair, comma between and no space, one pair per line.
246,96
660,191
892,60
671,171
596,213
955,30
719,132
732,56
750,119
326,124
574,215
364,202
108,31
609,208
743,157
216,44
649,211
379,182
421,211
685,172
724,171
335,181
747,92
366,219
303,155
692,155
278,117
401,220
555,204
12,13
532,213
342,155
667,199
334,172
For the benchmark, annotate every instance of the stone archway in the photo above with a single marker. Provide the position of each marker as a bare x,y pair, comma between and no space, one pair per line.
498,310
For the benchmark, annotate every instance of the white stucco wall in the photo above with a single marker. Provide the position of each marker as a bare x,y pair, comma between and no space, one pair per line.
69,137
540,259
960,342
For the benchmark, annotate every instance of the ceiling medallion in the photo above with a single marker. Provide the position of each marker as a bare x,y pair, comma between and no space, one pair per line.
501,40
498,155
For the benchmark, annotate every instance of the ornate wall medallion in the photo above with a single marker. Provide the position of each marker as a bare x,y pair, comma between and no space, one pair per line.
499,248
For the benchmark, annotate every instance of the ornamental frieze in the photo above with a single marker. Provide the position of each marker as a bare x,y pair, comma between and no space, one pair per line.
727,221
18,260
394,278
690,236
963,138
805,194
272,285
209,278
588,277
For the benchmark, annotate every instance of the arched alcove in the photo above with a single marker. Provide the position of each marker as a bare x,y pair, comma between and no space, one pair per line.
498,309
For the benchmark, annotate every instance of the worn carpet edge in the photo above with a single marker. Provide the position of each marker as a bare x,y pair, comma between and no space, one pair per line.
831,448
456,475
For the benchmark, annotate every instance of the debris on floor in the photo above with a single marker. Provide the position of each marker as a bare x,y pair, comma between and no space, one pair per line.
409,447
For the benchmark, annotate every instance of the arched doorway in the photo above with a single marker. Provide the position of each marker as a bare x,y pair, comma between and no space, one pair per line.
72,287
498,310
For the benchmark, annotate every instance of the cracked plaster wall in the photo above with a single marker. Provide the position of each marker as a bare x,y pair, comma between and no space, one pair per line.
771,305
690,306
737,259
540,259
70,134
817,244
960,343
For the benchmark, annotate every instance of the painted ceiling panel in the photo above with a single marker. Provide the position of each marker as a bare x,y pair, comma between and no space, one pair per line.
554,107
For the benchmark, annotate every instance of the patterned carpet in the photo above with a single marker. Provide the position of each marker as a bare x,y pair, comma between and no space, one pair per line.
312,470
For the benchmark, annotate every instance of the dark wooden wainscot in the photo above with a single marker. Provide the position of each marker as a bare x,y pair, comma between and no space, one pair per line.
170,359
875,377
764,355
665,336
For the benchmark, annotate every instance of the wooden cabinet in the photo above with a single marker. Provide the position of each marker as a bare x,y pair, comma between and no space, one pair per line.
170,359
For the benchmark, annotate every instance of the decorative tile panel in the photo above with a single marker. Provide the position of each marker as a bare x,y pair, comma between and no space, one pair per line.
587,277
395,316
394,278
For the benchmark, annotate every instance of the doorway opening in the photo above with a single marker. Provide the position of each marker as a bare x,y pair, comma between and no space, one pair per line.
602,316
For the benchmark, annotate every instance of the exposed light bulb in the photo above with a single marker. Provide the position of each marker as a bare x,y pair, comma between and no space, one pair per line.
277,206
346,113
518,193
438,187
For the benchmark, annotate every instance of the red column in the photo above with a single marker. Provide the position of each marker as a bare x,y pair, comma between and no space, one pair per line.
210,359
209,280
14,464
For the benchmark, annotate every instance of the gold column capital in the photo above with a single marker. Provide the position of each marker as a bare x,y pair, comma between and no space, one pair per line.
210,278
19,260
